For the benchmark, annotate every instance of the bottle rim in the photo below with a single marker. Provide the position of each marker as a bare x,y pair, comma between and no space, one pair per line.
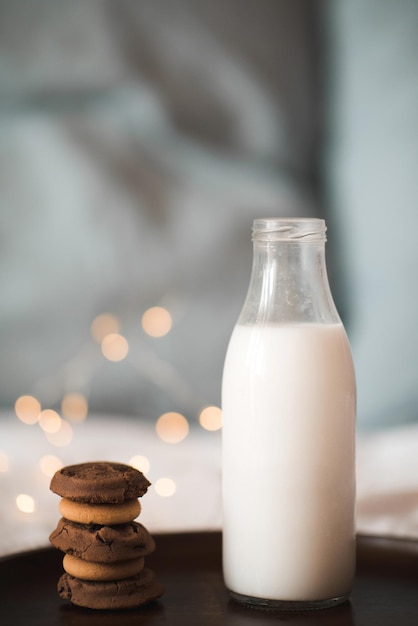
291,229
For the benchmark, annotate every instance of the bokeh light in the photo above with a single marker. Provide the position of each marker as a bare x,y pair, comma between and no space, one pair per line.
27,409
165,487
115,347
62,437
4,462
156,321
172,427
141,463
49,464
25,503
102,325
74,406
49,421
210,418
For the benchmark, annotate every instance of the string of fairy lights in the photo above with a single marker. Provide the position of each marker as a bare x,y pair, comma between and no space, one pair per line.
58,425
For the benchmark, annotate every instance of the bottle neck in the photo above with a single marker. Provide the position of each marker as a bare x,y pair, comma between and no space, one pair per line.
289,282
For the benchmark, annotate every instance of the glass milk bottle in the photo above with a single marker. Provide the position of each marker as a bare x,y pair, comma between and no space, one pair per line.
289,402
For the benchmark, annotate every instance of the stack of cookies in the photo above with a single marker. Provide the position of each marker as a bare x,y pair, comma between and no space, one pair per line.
104,548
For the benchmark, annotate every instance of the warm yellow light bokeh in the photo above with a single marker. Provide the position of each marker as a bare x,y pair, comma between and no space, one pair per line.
4,462
172,427
27,409
141,463
103,325
210,418
74,407
165,487
49,421
115,347
62,437
25,503
49,464
156,321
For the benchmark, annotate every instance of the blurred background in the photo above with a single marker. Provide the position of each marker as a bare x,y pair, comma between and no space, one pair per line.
139,140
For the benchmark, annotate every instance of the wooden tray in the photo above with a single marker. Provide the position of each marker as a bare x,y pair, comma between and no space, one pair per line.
189,566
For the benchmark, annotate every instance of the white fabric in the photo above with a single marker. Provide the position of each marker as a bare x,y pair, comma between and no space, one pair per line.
387,478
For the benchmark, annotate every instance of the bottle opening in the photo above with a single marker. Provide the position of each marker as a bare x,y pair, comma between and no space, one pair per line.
292,229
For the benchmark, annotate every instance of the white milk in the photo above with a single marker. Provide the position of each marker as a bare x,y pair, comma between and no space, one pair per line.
288,462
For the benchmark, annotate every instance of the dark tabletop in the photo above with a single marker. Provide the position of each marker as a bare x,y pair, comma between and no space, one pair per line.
189,566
